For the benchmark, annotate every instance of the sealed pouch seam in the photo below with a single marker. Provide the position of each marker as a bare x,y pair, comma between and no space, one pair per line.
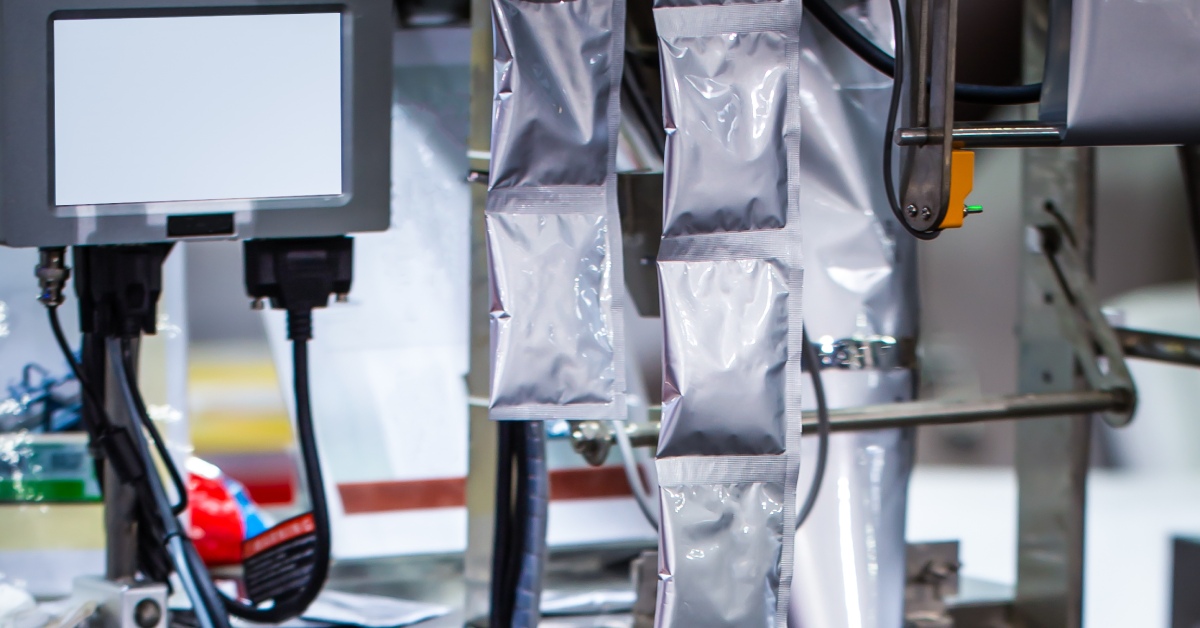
705,470
711,20
726,246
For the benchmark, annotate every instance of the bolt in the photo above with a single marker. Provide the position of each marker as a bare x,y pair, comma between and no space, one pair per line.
926,213
258,304
341,298
147,613
912,211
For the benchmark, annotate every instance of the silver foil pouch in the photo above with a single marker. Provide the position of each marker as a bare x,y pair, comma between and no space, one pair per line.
730,281
733,532
553,235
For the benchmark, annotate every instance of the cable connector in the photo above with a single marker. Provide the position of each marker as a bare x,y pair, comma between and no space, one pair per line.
118,288
298,275
52,275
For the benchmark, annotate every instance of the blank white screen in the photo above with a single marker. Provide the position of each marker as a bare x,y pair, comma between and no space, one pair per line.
197,108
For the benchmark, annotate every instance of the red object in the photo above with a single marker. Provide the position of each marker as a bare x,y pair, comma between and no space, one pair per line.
289,530
269,477
216,526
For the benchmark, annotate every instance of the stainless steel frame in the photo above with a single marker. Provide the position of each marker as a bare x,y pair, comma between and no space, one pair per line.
1052,454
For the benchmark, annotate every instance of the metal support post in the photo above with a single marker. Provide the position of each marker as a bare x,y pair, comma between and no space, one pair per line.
1052,454
481,460
120,500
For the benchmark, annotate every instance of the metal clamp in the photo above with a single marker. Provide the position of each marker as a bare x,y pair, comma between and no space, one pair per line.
931,579
880,353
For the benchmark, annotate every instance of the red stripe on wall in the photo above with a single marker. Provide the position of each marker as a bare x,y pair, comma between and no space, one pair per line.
565,484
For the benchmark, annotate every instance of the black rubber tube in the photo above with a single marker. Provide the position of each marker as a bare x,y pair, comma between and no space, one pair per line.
813,365
886,64
300,330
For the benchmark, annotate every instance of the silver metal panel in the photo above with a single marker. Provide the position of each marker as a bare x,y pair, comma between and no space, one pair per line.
28,215
1125,79
1052,454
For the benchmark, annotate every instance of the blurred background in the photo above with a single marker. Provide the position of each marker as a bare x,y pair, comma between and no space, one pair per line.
968,278
391,403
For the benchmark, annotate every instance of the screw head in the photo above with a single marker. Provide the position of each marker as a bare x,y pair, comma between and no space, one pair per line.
926,213
147,613
912,211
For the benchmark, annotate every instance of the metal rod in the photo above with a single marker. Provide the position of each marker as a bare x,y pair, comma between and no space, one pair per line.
993,135
120,499
1148,345
914,413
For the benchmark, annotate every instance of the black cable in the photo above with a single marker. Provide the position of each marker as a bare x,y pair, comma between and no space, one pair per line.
209,609
296,604
520,518
98,408
813,365
504,538
300,331
89,396
885,63
292,606
156,438
535,504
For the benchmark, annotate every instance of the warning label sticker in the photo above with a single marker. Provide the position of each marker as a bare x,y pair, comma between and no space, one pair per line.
278,562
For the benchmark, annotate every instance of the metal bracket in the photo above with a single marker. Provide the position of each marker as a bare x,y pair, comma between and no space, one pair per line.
929,92
640,200
1098,349
880,353
125,604
931,578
